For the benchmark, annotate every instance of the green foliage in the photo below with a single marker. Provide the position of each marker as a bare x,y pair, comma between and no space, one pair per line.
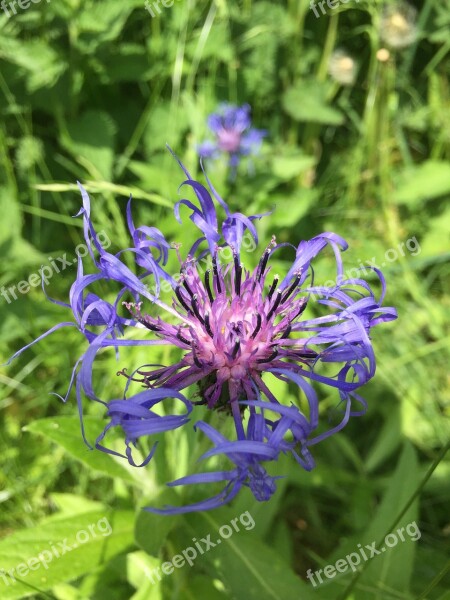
92,91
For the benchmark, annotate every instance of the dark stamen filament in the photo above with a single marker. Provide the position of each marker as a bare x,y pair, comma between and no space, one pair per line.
195,309
286,332
302,308
272,289
216,275
208,286
258,326
262,264
291,289
237,275
275,304
181,300
194,356
237,345
149,325
307,354
188,289
208,325
183,339
269,358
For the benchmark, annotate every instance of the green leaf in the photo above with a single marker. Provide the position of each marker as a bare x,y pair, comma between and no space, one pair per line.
151,530
437,239
103,21
72,504
65,431
64,591
392,568
429,180
165,125
244,557
36,57
290,209
63,550
127,62
140,569
387,441
307,102
91,140
287,167
202,587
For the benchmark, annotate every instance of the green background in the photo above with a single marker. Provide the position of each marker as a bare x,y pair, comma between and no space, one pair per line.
92,91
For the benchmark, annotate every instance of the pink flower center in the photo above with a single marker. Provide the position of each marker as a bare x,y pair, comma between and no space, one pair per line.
229,140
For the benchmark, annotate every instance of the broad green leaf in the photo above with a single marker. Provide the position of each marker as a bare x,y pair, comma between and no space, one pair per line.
307,102
145,575
152,530
202,587
64,591
287,167
36,57
73,504
65,431
429,180
128,62
107,582
165,125
436,241
216,46
103,21
61,551
392,568
244,561
387,441
91,139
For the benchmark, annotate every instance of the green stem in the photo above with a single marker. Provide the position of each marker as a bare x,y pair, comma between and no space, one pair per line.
435,581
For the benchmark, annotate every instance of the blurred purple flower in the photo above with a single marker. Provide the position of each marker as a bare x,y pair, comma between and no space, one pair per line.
232,326
234,134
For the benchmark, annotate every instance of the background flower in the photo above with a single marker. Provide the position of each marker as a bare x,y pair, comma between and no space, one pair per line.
234,134
398,25
342,67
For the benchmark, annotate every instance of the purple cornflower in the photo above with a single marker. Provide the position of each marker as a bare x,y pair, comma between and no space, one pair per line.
231,326
234,134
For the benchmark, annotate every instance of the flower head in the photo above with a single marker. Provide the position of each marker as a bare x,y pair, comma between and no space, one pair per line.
398,25
234,135
342,67
231,327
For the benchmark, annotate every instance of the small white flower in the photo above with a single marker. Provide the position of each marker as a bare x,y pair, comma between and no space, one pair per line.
342,68
398,25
